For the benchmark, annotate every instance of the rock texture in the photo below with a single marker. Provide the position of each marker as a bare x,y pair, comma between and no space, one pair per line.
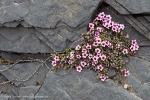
75,87
43,26
38,27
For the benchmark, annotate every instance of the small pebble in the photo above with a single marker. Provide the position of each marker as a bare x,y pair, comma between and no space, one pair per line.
125,86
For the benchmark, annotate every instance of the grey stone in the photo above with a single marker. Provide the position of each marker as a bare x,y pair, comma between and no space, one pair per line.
10,56
49,13
13,24
6,88
4,3
111,73
21,40
4,97
117,6
136,84
144,53
13,12
136,7
138,68
55,25
144,92
75,86
20,72
29,92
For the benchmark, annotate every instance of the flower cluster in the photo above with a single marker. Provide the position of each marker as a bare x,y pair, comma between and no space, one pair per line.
102,49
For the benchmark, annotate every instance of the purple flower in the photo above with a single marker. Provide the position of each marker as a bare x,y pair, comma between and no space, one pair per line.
91,25
83,63
78,56
100,67
103,78
53,63
125,51
126,73
56,58
78,47
79,68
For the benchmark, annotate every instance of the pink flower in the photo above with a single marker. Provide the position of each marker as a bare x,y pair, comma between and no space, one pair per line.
79,68
83,63
100,67
94,63
90,56
53,63
95,58
103,44
132,48
95,44
131,53
96,33
92,31
99,29
108,17
134,42
84,55
56,58
91,25
107,25
72,53
103,78
97,50
103,57
118,30
78,56
126,73
98,40
71,56
122,26
84,50
111,24
117,46
125,51
99,18
102,14
107,43
88,46
78,47
96,22
114,29
99,55
136,47
69,62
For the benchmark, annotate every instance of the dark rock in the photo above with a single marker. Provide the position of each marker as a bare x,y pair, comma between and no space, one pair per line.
138,68
117,6
23,71
55,25
144,92
29,92
136,84
4,97
21,40
13,12
74,86
144,53
136,7
13,24
10,56
6,88
111,73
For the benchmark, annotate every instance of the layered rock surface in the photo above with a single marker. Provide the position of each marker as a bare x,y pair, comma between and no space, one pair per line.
45,26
